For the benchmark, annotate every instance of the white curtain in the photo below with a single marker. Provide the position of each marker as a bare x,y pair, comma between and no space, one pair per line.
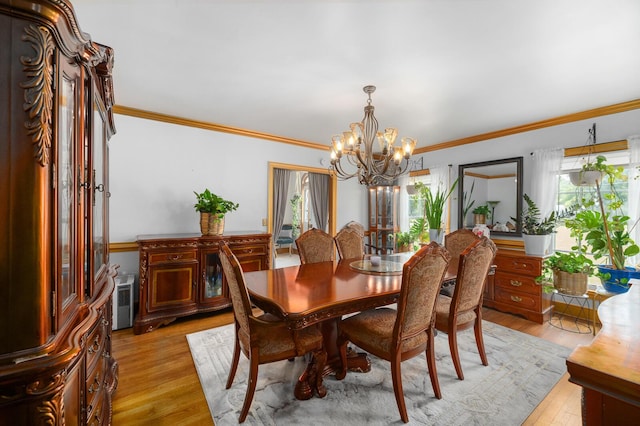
634,190
545,168
403,210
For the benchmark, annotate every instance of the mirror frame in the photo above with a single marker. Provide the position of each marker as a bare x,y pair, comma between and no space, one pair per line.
518,161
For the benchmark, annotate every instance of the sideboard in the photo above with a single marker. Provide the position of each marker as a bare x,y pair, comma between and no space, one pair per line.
513,288
181,274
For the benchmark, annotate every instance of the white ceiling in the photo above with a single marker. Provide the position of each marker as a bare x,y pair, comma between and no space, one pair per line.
444,69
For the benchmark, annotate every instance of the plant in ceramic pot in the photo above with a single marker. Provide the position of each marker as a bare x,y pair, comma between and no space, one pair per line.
603,229
480,214
432,212
590,172
536,230
212,210
566,272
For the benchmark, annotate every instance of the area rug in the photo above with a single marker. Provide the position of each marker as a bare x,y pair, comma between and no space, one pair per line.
522,370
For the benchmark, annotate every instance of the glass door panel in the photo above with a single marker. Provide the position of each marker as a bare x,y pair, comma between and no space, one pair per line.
212,275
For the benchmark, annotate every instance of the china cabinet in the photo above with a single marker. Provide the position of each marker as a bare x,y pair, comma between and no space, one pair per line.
383,218
56,281
181,274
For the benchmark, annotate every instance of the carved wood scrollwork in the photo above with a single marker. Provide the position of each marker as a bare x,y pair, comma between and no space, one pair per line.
38,93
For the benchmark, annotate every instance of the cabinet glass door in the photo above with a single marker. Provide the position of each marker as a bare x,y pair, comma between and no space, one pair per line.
99,190
67,261
212,275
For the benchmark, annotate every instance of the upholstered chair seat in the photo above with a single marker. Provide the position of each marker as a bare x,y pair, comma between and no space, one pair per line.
398,335
464,309
315,246
265,338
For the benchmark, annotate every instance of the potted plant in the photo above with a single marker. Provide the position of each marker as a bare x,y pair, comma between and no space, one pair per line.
536,231
294,202
432,211
590,172
467,202
566,272
404,242
212,210
480,214
603,230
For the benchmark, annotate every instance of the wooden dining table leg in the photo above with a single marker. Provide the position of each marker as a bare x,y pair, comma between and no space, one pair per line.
356,361
309,382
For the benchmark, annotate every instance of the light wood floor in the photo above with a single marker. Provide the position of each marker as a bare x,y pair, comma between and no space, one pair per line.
158,383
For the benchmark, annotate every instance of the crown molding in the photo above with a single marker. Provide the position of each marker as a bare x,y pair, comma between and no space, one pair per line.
563,119
165,118
556,121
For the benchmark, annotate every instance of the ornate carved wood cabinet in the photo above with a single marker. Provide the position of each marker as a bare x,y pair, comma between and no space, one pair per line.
181,274
56,281
513,288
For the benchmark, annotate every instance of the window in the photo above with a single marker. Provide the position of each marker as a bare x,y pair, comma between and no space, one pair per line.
569,194
415,205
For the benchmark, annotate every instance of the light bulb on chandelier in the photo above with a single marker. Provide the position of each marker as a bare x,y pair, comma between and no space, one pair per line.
356,148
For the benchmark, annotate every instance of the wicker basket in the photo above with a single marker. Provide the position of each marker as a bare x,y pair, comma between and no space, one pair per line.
573,284
211,224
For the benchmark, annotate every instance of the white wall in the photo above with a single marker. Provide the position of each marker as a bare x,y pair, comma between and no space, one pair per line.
156,166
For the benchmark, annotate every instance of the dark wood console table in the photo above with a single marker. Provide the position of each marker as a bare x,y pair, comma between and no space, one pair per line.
608,369
181,274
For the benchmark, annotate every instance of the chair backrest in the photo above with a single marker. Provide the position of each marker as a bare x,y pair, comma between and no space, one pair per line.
239,294
422,276
315,246
455,243
350,243
474,266
356,226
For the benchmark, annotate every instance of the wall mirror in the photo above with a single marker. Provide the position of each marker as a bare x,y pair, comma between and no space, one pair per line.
496,184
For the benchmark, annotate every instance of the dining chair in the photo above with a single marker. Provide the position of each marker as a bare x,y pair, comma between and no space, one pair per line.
398,335
285,237
266,338
315,246
455,242
350,243
464,309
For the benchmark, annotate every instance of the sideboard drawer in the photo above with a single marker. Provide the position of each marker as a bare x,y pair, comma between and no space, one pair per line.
517,299
515,282
526,265
241,250
173,256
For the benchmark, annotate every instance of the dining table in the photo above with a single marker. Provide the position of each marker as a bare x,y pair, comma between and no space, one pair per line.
319,294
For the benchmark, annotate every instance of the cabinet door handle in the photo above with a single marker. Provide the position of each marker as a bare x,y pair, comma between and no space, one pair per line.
174,257
516,299
515,283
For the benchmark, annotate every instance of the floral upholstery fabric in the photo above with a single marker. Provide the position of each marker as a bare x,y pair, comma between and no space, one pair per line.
456,242
376,330
315,246
350,244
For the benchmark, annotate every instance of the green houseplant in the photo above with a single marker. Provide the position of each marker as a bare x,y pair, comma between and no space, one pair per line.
212,210
480,214
432,212
566,272
601,228
536,230
404,241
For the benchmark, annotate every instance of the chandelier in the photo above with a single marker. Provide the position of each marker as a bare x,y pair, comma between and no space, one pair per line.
356,148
